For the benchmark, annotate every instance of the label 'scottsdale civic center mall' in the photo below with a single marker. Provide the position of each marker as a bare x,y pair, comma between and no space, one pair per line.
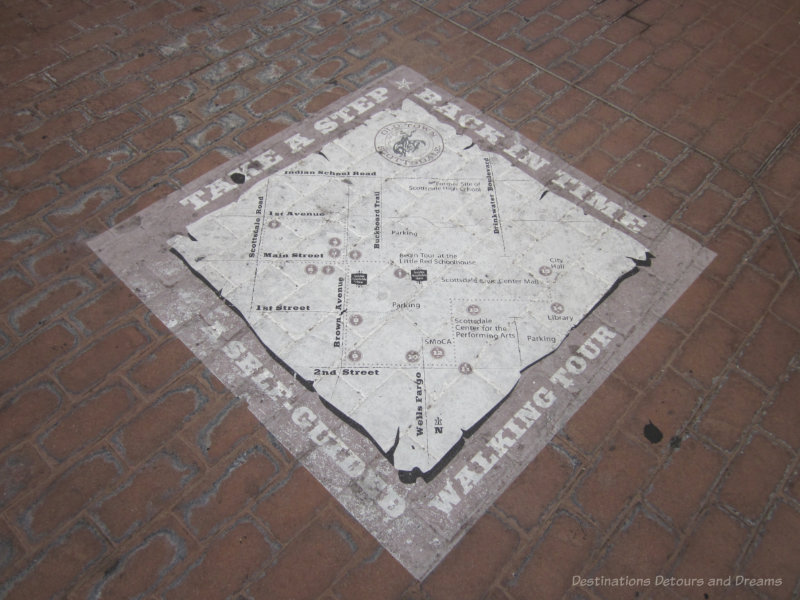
411,297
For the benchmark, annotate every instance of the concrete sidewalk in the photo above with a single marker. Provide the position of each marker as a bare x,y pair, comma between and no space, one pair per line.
128,471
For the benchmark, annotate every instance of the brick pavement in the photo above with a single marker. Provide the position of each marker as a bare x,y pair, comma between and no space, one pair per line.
128,471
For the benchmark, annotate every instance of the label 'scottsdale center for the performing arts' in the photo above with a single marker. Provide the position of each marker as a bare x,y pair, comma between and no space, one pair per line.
411,297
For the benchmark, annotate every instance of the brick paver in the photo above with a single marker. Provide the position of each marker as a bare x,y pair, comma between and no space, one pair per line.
128,471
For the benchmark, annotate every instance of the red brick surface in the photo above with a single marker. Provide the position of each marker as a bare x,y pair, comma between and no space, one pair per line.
128,471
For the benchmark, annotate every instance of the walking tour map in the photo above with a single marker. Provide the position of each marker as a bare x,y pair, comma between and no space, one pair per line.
411,297
408,276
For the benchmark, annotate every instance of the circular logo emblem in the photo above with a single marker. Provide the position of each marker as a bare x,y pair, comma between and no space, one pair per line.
409,144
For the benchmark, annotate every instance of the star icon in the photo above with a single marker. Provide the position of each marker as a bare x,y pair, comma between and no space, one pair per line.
403,84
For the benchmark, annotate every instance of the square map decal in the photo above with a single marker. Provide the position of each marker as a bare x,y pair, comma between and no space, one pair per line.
411,297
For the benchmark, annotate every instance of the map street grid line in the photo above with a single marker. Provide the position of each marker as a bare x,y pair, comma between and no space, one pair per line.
411,297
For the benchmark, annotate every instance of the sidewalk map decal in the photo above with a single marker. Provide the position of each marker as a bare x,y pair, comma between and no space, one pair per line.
411,297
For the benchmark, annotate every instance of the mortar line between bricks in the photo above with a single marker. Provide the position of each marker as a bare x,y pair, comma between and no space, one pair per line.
577,86
747,428
776,227
776,151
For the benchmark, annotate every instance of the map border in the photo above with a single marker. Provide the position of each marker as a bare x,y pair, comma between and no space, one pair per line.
417,523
